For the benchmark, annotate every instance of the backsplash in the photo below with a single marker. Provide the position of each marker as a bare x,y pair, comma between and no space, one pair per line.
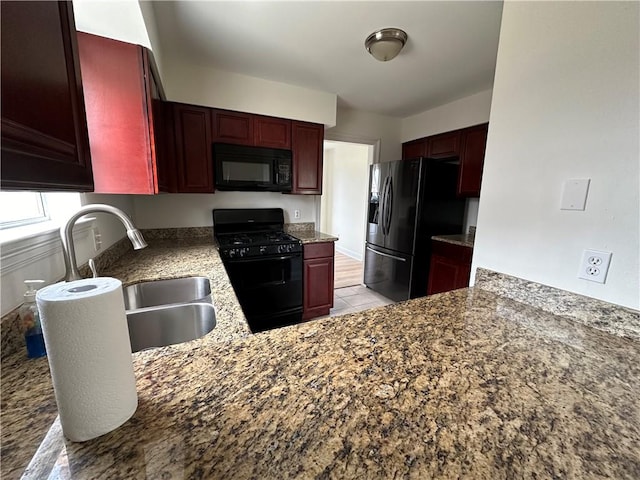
177,233
292,228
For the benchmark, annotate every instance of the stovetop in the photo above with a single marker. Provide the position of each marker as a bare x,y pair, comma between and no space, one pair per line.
257,244
255,238
252,232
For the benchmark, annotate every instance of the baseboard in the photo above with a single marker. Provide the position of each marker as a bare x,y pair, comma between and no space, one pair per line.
349,253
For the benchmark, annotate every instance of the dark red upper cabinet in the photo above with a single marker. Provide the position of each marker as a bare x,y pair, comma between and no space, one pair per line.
122,95
45,144
164,146
232,127
444,145
271,132
474,141
192,125
414,149
306,145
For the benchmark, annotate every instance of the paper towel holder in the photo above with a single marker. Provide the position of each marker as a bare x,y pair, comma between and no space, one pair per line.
66,234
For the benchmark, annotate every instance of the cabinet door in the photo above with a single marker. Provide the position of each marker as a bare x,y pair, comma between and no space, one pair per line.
318,279
232,127
271,132
474,141
450,267
318,287
414,149
45,145
162,133
193,148
447,274
168,166
306,145
444,145
119,101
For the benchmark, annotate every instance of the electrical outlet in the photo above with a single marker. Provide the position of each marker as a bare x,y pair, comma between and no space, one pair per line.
296,214
97,239
594,265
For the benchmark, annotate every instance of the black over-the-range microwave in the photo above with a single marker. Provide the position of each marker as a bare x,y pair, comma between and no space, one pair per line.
258,169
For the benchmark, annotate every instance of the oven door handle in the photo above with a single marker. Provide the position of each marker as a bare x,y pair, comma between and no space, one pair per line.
257,259
386,255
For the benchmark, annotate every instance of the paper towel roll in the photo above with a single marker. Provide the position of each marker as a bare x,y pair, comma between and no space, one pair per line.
89,351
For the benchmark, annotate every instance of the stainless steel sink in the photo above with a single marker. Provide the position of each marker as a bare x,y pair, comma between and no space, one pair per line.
167,292
157,327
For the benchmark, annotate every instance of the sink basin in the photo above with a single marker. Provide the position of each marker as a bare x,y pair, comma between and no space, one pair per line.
157,327
166,292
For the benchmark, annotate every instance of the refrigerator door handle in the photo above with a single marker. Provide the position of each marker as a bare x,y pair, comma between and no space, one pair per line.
386,255
389,201
383,206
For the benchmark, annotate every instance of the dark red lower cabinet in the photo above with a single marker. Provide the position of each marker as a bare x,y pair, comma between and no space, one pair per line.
318,279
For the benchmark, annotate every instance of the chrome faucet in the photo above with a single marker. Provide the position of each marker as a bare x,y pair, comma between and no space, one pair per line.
66,233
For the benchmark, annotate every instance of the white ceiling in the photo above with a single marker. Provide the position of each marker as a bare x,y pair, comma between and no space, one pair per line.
451,51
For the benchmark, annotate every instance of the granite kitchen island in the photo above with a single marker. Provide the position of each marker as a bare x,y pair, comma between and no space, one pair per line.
465,384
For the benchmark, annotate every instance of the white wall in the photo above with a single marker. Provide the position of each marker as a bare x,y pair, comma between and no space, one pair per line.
357,126
149,20
118,19
462,113
344,199
110,228
565,105
214,88
194,210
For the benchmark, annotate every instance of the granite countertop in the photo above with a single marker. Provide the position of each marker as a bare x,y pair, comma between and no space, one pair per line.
465,384
462,239
28,412
313,236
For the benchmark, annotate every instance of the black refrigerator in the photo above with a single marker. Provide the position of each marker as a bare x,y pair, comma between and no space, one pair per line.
409,202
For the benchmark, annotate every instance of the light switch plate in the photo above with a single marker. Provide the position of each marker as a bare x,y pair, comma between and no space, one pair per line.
574,194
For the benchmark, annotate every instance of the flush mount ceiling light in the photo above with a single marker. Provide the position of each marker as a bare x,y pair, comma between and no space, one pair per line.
386,43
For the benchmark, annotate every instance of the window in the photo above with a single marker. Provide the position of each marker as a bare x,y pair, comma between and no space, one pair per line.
24,214
22,208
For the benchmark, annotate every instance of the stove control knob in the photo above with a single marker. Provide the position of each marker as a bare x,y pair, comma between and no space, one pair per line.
263,250
243,252
286,248
232,253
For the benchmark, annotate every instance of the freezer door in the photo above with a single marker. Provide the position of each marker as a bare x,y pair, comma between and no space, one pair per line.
387,272
401,205
378,176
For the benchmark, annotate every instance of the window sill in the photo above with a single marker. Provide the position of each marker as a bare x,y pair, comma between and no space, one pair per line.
34,242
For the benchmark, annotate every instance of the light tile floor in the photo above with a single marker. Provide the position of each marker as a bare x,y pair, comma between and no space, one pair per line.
355,299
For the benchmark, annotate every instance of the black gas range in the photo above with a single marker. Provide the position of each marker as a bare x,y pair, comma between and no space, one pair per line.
252,244
264,265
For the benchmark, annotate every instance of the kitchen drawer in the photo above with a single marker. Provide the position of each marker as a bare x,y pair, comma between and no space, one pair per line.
318,250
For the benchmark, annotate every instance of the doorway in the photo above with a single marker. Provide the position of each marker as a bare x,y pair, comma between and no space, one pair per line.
343,206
